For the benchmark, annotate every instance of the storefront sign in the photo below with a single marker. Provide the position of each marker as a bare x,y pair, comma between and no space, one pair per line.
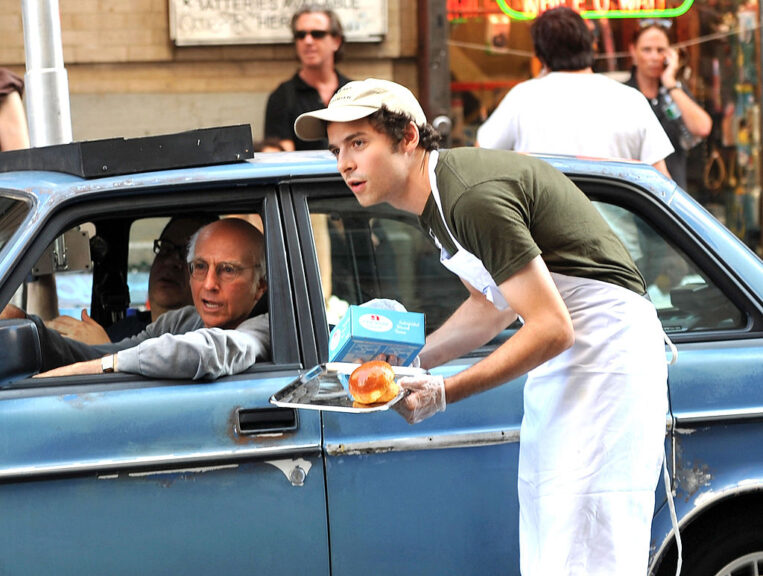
194,22
529,9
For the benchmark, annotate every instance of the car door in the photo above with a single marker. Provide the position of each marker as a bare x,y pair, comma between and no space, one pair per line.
431,499
118,474
443,493
713,317
710,306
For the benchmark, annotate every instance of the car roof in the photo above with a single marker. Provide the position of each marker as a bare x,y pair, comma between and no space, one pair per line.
275,166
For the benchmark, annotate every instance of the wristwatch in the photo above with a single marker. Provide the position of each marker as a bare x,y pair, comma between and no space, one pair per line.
107,363
676,86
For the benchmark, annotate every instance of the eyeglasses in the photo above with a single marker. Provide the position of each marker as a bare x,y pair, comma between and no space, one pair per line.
661,22
225,271
316,34
166,248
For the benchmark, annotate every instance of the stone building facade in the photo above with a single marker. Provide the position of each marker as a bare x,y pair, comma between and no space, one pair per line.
128,78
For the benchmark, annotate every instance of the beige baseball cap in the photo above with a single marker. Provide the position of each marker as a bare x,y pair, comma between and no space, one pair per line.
356,100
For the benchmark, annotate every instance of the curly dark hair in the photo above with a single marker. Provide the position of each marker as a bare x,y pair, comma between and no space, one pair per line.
393,124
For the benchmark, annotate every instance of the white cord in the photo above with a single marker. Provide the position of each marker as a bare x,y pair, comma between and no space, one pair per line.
673,349
666,476
672,508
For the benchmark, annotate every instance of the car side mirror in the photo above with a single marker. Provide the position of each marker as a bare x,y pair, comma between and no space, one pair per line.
20,353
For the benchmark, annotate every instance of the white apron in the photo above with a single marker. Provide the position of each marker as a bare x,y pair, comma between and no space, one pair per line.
593,429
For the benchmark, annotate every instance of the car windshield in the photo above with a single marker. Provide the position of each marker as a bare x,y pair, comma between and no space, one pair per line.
12,214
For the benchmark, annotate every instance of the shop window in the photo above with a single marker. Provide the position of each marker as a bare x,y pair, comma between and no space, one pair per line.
718,45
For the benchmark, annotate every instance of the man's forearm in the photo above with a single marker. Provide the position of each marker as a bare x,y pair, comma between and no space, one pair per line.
203,353
473,324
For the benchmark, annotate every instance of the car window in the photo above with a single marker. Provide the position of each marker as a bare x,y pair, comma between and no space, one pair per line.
61,280
140,255
383,253
686,298
75,288
12,213
380,253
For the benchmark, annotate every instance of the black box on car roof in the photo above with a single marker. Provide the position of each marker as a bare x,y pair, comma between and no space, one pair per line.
116,156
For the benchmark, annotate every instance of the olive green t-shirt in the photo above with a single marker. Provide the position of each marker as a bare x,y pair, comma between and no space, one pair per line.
506,208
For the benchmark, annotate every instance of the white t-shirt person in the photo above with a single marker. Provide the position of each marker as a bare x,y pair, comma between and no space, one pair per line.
581,114
576,113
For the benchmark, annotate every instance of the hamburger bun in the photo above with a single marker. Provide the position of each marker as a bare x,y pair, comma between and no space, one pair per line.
373,382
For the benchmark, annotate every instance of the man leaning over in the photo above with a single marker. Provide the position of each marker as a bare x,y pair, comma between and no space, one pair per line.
217,336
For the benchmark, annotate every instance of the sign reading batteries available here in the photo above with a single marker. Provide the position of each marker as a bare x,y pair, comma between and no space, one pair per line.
196,22
364,333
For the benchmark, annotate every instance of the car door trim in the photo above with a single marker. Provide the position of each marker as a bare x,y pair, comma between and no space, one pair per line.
435,442
704,418
425,442
156,463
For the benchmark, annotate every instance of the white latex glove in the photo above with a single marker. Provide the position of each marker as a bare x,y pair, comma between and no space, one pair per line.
425,398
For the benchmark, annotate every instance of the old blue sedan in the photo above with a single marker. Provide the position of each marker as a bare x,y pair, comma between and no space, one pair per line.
118,474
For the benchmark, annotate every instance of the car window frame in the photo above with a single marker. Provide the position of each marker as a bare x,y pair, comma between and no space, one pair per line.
222,199
653,211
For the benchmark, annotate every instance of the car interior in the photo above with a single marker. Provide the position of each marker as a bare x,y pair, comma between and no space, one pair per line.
382,253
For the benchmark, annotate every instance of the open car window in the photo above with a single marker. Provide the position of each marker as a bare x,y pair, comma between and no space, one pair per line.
383,253
687,300
380,253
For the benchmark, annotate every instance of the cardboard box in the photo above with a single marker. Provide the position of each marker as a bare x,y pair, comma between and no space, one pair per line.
364,333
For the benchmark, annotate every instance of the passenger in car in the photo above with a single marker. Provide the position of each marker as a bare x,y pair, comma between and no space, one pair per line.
168,287
527,243
220,335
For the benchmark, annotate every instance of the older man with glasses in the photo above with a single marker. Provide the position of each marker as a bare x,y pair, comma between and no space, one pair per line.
220,335
319,40
168,287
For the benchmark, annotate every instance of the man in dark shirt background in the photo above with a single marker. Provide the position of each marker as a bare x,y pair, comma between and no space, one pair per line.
319,39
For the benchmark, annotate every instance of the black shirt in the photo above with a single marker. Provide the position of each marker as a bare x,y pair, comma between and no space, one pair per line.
676,162
286,103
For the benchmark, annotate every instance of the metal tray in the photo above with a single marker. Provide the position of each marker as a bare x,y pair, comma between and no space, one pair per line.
325,387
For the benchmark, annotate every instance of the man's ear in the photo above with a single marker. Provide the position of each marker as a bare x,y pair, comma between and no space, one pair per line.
263,286
410,136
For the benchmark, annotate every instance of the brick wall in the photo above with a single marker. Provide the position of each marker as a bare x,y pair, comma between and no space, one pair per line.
127,78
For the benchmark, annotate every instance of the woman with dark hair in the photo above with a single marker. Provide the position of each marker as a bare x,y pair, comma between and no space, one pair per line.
655,74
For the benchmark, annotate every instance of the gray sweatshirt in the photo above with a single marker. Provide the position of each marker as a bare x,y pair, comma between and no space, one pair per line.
175,346
178,346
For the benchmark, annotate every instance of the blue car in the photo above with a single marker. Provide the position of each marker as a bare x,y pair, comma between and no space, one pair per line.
121,474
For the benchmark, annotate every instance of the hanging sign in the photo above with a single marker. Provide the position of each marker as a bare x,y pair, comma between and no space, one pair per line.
591,9
194,22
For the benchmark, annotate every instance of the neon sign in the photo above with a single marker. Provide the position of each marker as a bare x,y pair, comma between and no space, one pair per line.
593,9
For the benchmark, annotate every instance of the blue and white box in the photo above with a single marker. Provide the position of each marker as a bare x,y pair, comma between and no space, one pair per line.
364,333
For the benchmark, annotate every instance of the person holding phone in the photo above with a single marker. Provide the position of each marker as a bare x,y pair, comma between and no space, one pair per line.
655,74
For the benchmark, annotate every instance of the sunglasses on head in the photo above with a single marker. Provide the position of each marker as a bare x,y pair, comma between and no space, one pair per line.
317,34
661,22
